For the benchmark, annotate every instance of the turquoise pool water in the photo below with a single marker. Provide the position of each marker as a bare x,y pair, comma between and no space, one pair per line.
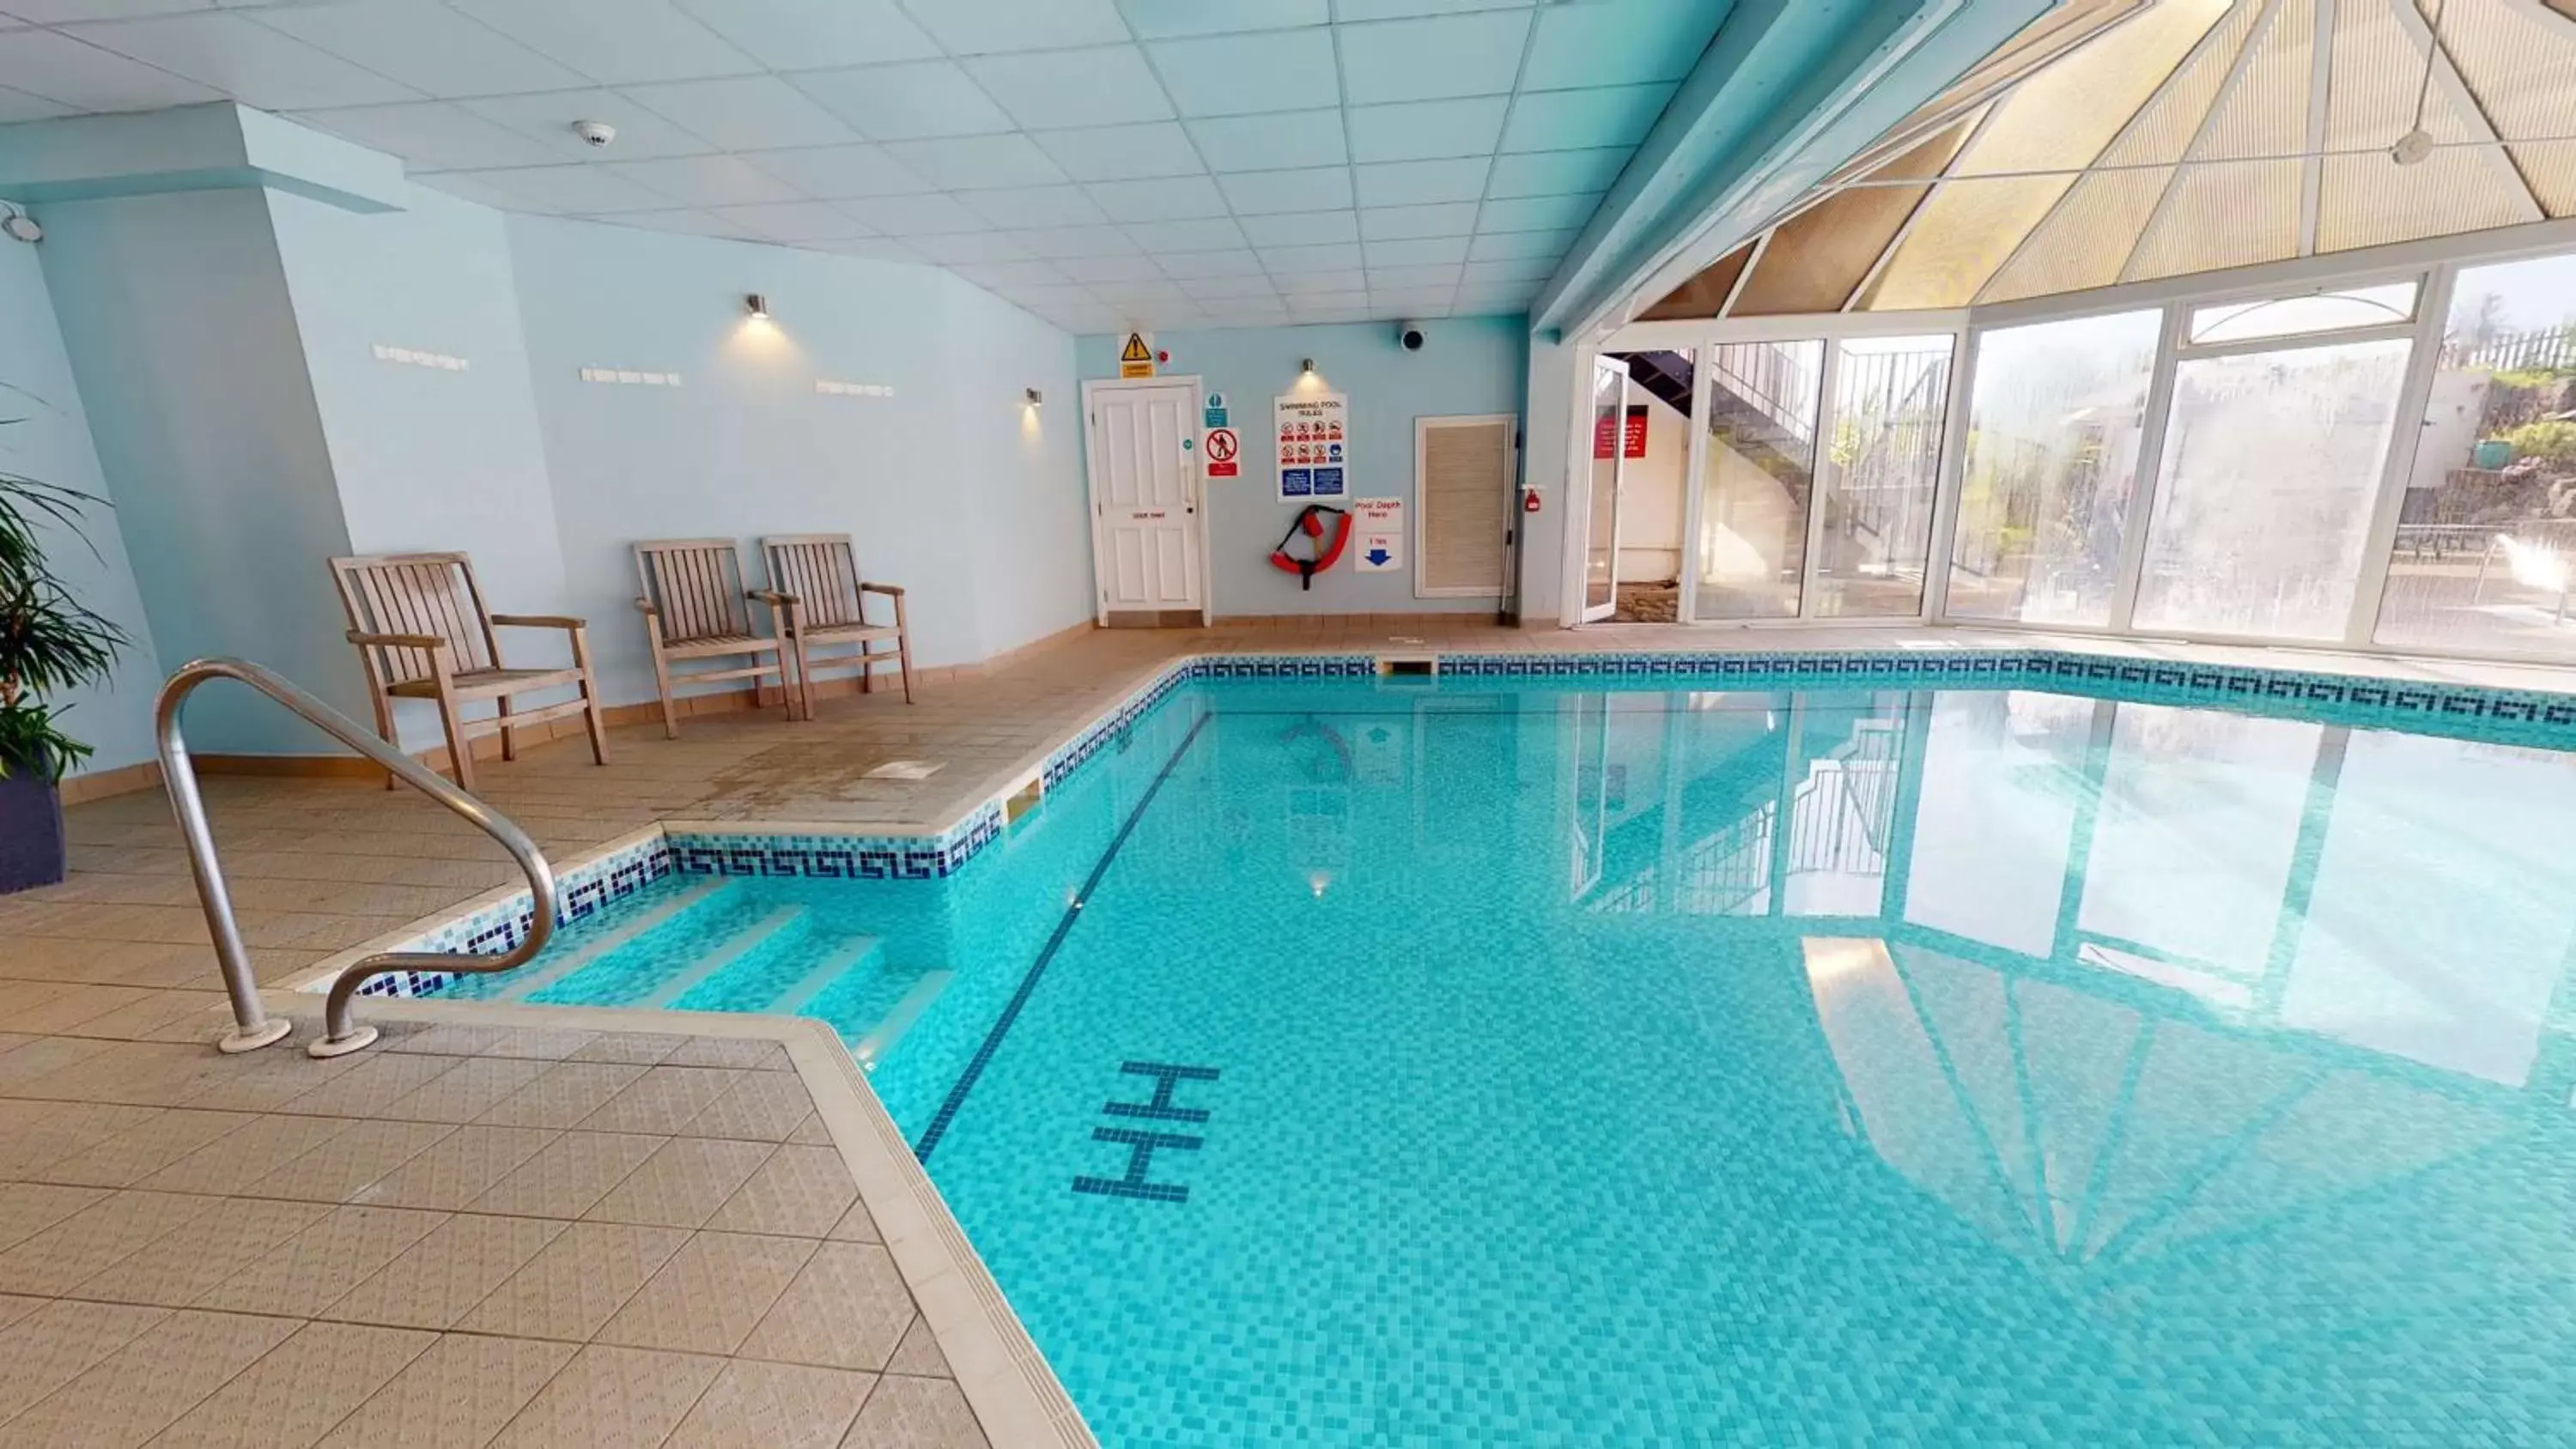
1361,1063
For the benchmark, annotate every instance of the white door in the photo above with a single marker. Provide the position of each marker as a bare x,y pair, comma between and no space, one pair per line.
1145,496
1601,527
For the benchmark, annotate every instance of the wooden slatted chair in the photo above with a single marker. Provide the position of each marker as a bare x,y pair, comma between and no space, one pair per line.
826,600
422,632
693,609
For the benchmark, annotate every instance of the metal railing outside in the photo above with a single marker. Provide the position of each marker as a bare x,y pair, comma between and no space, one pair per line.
341,1032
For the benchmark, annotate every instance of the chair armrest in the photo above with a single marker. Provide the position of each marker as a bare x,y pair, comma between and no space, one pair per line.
397,641
894,589
770,596
540,621
644,604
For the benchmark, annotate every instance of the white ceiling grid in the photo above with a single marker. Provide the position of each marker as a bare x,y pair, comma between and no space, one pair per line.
1168,163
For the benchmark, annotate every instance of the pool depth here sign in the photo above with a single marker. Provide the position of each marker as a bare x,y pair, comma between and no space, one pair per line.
1377,540
1314,438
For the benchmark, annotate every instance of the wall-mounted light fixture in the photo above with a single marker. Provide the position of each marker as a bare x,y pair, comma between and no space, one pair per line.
758,306
1034,396
1306,368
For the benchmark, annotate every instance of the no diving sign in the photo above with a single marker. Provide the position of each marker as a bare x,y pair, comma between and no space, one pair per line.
1222,448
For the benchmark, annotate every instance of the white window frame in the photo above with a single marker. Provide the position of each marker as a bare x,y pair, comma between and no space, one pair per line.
1506,485
2434,263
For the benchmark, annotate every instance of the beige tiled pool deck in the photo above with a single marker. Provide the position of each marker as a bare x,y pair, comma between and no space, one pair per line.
506,1225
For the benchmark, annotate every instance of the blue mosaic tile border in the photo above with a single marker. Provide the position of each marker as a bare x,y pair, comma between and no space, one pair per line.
497,928
840,857
2478,711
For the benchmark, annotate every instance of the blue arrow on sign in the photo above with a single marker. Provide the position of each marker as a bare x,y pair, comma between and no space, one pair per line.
1379,555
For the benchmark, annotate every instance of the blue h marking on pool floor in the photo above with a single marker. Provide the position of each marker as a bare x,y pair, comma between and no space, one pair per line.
1140,1160
1141,1145
1166,1079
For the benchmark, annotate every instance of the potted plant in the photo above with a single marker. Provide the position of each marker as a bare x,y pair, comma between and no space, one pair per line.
48,643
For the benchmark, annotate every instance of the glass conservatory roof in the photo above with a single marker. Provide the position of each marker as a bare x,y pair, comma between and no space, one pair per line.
2135,141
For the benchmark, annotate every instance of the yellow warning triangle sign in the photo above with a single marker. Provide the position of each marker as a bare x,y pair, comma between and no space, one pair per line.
1136,349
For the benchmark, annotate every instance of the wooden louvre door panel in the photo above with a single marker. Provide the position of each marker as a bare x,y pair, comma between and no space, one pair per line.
1465,490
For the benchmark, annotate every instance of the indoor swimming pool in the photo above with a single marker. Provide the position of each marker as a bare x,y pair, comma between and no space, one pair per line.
1515,1062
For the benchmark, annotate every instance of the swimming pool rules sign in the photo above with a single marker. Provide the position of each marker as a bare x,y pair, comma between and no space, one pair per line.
1314,429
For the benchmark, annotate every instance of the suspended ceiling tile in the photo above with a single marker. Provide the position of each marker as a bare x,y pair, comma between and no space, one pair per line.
905,102
1035,206
1435,59
744,113
1427,130
1234,75
1108,86
1620,42
259,66
1197,234
981,27
1270,142
1122,153
801,35
981,248
1158,19
1285,262
1428,251
1606,116
437,136
428,47
794,221
707,180
1399,223
926,215
1556,173
1170,199
614,42
961,163
833,173
1537,213
1312,189
1300,228
1399,183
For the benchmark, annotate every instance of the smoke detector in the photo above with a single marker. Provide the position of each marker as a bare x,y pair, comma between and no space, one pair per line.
594,134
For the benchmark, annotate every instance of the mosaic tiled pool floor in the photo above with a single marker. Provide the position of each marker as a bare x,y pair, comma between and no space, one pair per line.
1510,1064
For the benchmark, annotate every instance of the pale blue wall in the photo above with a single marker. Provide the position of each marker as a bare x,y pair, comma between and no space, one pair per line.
945,493
50,440
1472,365
427,459
175,313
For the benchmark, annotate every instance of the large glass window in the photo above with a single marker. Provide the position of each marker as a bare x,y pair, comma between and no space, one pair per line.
1757,479
2488,527
2271,463
2296,316
1890,398
2054,418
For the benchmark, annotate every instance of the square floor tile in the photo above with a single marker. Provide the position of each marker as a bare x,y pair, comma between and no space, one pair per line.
182,1266
231,1164
320,1264
292,1397
57,1343
762,1107
662,1100
774,1406
847,1309
710,1295
100,1235
134,1393
136,1153
28,1208
568,1092
439,1279
612,1396
377,1082
919,1353
683,1183
568,1176
474,1087
457,1168
799,1192
455,1396
368,1151
906,1413
576,1283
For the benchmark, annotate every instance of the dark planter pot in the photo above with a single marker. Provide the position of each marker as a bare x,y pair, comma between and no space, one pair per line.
32,848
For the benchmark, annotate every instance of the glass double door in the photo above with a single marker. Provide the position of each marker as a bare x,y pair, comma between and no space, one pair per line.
1815,480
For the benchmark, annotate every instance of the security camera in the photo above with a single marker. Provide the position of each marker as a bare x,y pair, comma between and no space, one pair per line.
594,134
1410,336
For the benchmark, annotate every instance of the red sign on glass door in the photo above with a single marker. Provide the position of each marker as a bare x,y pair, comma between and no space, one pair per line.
1634,442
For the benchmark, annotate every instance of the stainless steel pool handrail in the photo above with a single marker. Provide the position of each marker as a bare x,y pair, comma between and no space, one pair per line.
341,1033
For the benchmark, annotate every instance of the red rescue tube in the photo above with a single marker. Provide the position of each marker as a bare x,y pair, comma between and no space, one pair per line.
1310,522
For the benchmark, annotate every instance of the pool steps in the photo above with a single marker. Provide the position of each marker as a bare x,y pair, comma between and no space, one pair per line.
848,957
891,1027
537,978
723,957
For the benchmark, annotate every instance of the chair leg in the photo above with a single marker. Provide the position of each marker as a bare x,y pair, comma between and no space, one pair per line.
662,682
786,690
867,668
460,751
385,728
903,647
804,678
590,698
509,732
